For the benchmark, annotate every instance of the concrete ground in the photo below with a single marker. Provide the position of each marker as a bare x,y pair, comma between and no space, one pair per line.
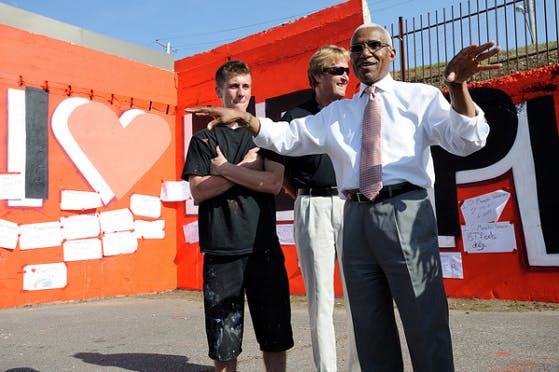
165,332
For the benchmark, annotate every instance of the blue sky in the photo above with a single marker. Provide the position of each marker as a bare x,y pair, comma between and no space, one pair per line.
195,26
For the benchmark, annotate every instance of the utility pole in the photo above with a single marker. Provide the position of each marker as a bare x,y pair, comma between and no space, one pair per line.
529,13
166,45
531,10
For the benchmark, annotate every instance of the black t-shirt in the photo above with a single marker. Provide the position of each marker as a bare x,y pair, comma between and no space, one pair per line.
240,220
308,170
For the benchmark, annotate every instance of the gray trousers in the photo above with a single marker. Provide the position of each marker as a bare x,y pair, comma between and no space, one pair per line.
391,253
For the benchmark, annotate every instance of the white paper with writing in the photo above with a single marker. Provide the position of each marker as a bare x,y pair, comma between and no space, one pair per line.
190,231
489,237
119,243
82,249
149,229
40,235
80,226
190,208
75,200
452,265
44,276
285,233
117,220
174,191
484,208
145,205
9,232
12,186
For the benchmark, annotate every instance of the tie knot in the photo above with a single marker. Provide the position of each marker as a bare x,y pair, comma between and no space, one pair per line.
370,90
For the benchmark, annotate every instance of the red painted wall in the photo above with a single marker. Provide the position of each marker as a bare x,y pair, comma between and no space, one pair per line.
510,275
278,59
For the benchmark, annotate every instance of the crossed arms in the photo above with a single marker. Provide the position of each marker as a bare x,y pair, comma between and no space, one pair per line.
254,172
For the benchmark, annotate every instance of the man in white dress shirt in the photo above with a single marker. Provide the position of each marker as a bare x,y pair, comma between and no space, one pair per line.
391,248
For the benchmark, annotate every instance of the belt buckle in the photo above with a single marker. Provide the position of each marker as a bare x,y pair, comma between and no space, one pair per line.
314,191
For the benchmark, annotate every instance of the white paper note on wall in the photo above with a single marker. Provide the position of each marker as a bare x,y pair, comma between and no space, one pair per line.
484,208
45,276
452,265
489,237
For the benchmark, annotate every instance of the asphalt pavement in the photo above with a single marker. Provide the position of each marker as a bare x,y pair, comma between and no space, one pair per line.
165,332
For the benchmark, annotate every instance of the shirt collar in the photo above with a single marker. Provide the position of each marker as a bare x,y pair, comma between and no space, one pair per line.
386,84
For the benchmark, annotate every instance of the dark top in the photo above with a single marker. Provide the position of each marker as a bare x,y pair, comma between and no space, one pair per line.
308,170
240,220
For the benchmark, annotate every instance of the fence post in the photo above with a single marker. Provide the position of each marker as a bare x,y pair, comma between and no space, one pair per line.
402,55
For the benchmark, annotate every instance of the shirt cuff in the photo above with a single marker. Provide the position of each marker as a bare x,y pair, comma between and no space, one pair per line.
262,138
471,129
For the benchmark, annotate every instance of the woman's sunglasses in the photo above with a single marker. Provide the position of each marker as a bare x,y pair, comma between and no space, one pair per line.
336,70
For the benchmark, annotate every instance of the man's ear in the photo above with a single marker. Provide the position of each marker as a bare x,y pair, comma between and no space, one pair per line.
218,91
392,54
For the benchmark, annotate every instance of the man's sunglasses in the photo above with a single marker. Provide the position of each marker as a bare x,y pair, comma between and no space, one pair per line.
336,70
372,45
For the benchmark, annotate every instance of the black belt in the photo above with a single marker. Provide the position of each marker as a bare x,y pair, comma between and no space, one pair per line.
318,191
385,193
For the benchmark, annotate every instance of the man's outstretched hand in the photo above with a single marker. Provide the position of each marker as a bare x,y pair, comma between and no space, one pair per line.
468,62
222,116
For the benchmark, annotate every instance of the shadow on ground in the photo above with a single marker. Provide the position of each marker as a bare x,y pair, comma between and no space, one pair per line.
143,362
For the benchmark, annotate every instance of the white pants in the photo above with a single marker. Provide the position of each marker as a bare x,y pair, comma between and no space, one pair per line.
318,226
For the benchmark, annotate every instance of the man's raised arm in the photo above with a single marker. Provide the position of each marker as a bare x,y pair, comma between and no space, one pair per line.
223,116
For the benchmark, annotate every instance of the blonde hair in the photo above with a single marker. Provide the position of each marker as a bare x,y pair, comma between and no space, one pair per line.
323,58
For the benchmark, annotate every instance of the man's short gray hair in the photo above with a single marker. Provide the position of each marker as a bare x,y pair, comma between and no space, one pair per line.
375,25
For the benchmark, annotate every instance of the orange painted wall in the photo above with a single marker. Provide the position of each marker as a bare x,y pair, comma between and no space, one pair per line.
278,59
66,70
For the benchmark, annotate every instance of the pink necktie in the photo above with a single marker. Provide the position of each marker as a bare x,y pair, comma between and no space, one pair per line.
370,165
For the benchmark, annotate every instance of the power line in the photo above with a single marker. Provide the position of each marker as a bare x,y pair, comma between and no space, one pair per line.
241,27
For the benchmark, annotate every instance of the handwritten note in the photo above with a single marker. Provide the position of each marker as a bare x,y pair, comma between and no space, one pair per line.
40,235
149,229
285,233
489,237
117,220
145,205
45,276
484,208
190,231
80,226
452,265
174,191
12,186
75,200
82,249
190,207
119,243
8,234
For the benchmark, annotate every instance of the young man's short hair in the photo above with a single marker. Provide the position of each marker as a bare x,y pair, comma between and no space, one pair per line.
233,67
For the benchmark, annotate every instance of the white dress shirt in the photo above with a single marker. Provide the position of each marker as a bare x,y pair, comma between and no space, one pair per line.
414,117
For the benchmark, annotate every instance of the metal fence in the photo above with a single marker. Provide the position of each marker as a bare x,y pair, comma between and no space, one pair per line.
525,30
